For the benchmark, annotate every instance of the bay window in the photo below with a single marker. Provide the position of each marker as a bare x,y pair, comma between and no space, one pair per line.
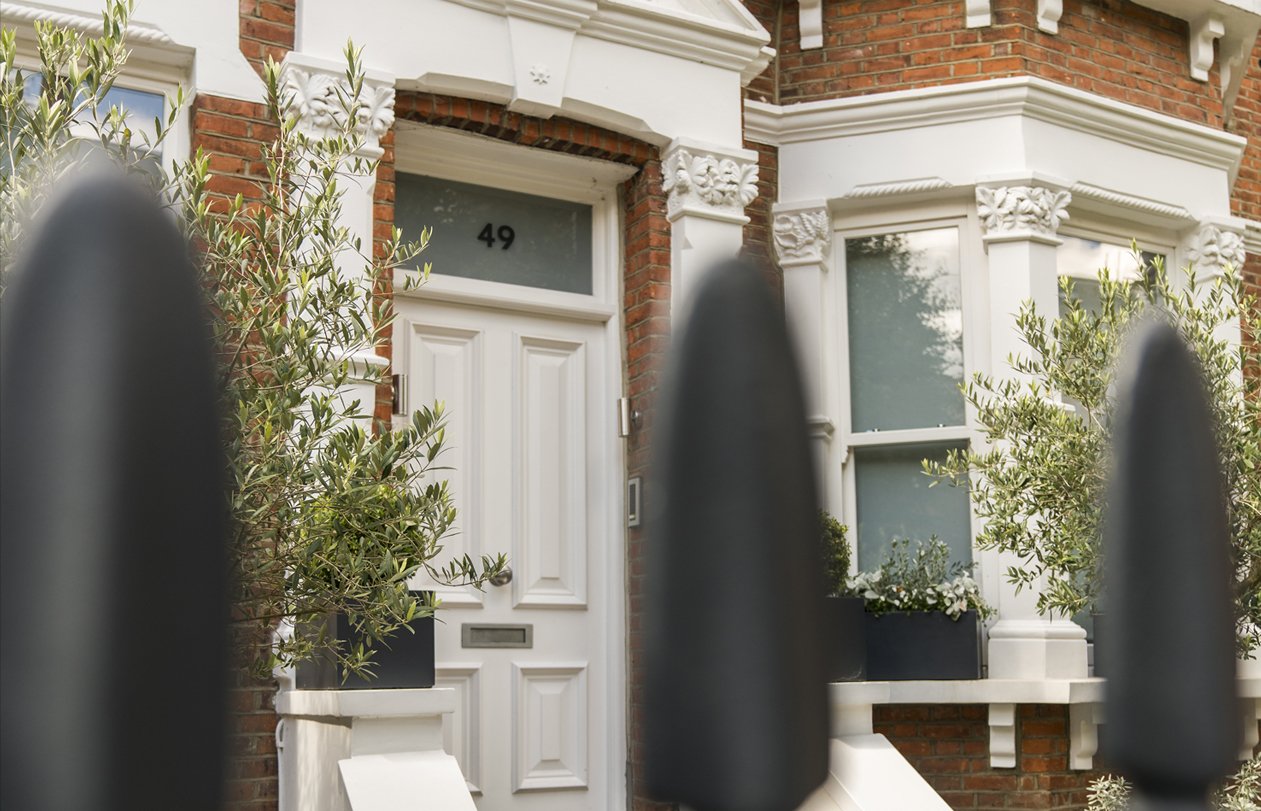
902,311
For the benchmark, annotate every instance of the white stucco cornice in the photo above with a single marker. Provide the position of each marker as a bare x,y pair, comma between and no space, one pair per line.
719,32
1026,96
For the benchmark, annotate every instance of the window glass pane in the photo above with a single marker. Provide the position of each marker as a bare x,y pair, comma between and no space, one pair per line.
497,235
1085,291
1082,259
894,502
905,330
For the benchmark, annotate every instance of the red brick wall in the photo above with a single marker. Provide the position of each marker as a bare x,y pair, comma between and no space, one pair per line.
1247,191
266,30
232,133
645,304
949,745
1111,47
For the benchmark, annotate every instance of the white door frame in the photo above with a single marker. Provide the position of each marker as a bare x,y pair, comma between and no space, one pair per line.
469,158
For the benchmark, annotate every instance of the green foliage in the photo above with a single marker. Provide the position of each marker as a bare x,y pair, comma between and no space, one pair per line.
919,579
44,142
329,514
1242,792
1040,484
836,554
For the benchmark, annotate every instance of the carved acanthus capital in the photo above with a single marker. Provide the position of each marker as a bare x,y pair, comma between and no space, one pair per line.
802,236
709,183
1021,212
322,100
1213,248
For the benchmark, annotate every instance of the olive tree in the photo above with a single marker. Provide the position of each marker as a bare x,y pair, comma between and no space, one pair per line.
1040,483
331,513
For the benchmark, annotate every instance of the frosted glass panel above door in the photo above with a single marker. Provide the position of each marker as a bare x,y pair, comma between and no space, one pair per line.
905,330
497,235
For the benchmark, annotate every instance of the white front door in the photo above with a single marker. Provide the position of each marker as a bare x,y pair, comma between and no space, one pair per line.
527,396
517,333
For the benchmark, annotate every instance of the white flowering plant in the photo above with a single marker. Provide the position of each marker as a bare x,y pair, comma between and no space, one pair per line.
921,578
1242,792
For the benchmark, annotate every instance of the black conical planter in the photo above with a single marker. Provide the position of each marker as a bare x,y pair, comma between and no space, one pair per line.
846,623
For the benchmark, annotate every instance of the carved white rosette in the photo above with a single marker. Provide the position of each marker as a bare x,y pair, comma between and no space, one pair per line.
802,236
1213,248
1021,212
709,183
317,94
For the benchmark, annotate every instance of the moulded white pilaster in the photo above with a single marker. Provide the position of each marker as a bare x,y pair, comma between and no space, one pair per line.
708,188
802,237
1019,220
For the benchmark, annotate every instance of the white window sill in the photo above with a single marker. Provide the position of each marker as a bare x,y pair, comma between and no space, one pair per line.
852,704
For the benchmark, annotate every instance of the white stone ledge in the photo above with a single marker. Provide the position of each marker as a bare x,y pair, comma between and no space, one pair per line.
852,704
366,703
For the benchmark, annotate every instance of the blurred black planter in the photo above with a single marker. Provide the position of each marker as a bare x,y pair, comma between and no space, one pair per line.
914,645
846,623
406,663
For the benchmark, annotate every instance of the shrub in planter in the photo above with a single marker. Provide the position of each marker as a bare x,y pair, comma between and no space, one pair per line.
842,610
922,615
1039,485
404,660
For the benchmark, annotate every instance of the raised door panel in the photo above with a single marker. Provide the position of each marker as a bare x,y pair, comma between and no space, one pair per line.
549,727
446,365
550,519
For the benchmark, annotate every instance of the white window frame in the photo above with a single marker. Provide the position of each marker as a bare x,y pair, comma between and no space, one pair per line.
468,158
974,304
146,78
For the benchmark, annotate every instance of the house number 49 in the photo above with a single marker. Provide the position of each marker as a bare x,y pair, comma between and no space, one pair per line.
505,232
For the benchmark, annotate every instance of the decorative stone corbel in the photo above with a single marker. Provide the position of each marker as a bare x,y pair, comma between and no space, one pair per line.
708,182
1083,734
1010,213
1203,32
979,14
318,95
1002,736
810,23
803,236
1049,13
1213,247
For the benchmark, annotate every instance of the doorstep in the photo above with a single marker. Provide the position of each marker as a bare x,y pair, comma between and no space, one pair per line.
852,702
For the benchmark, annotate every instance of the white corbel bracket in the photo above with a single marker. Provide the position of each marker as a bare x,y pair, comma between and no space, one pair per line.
810,23
1083,734
980,15
1234,23
1203,32
1003,736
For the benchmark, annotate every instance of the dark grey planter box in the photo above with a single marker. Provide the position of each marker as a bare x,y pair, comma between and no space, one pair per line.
408,662
914,645
846,624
